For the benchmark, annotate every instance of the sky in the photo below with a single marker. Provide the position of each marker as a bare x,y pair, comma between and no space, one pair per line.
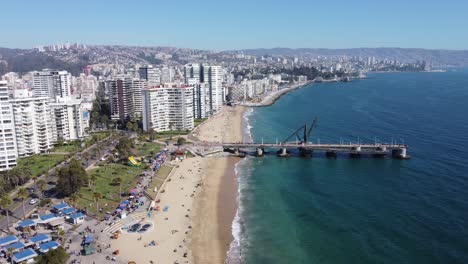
238,24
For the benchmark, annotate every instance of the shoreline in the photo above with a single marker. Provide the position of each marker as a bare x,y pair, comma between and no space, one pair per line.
217,203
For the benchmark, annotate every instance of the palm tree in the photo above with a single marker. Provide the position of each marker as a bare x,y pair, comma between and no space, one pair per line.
73,199
97,196
23,194
41,185
10,251
93,179
5,202
34,178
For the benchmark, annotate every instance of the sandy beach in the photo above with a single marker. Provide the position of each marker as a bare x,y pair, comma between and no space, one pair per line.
201,197
216,205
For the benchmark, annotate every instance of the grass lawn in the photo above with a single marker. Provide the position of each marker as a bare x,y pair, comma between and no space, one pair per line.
104,186
145,148
39,164
73,146
158,180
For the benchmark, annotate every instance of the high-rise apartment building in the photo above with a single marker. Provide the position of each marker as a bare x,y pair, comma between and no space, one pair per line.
201,100
52,84
168,107
8,149
194,71
67,115
213,75
125,97
34,126
150,74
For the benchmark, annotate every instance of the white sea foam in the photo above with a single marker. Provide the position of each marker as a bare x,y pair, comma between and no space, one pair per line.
234,254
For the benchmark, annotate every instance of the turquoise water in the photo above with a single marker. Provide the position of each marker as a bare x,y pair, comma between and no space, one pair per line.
318,210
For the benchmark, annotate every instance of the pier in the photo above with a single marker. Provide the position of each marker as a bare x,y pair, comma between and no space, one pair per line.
307,148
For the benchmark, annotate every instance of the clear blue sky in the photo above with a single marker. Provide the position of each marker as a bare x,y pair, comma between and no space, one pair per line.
237,24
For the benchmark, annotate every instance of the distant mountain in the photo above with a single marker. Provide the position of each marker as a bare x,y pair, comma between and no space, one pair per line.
436,57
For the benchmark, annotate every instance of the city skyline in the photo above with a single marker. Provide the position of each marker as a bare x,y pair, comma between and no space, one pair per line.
243,25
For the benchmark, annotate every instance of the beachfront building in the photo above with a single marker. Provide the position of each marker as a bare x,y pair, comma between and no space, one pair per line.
34,127
125,97
168,107
201,100
213,75
52,84
8,149
68,118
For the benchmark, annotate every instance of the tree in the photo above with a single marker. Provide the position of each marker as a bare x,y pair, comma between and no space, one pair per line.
124,147
93,181
23,194
10,252
41,184
171,128
5,202
54,256
73,199
97,196
105,121
34,178
71,178
118,181
181,141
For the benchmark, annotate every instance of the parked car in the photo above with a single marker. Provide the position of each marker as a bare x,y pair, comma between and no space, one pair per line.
33,201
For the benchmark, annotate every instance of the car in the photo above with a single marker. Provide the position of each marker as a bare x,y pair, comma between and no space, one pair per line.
146,226
33,201
142,230
136,226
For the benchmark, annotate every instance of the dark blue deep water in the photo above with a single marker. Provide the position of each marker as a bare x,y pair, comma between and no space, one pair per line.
318,210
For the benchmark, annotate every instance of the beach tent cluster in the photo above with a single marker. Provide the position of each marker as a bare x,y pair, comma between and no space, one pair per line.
59,214
160,158
29,248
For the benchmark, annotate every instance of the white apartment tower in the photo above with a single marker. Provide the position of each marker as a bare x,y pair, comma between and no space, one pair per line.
167,108
67,115
52,84
8,149
213,75
34,126
201,100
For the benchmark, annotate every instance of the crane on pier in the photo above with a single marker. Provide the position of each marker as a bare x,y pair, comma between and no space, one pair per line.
305,135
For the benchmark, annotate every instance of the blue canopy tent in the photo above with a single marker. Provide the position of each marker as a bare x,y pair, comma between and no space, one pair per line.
47,217
48,246
59,207
5,241
24,255
40,238
16,246
123,204
68,211
89,239
27,223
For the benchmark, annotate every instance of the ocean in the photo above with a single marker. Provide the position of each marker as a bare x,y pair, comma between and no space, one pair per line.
367,210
